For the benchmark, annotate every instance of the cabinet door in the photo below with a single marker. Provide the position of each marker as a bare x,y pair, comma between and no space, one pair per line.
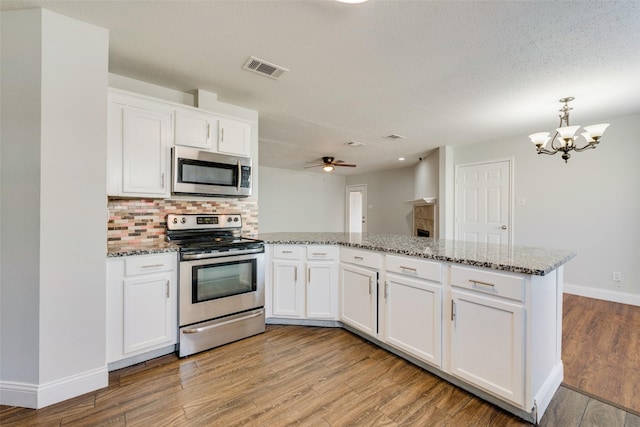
358,298
145,136
195,129
288,288
487,344
234,137
322,287
148,312
414,317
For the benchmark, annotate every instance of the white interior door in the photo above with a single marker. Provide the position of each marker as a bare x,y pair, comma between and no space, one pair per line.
356,208
483,202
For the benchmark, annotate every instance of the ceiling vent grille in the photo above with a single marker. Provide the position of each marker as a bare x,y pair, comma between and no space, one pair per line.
394,136
354,144
263,67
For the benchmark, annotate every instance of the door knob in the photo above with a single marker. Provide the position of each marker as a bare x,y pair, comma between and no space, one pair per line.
504,227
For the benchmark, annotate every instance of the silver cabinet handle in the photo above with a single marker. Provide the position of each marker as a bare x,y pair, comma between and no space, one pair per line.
309,276
386,290
453,310
369,286
152,265
295,274
478,282
222,134
287,252
358,258
504,227
162,180
167,288
208,131
319,254
408,268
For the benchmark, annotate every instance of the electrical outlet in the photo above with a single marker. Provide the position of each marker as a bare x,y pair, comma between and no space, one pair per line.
616,277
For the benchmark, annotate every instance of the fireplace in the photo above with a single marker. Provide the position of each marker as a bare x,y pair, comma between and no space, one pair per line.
424,217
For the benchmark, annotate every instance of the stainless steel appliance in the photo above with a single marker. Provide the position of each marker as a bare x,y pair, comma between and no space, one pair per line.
221,285
205,173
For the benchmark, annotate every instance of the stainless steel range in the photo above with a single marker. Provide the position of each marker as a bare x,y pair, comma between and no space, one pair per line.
221,281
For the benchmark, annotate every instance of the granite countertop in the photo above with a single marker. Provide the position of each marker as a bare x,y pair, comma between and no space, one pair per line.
517,259
121,249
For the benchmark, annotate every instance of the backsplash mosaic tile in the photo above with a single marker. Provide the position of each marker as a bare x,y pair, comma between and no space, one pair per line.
145,220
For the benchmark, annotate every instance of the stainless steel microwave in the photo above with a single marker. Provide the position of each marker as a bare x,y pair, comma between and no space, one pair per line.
204,173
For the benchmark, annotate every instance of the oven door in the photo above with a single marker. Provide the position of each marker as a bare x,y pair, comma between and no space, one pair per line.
220,286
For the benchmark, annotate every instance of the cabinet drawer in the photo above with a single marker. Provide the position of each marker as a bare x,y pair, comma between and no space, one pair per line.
414,267
488,282
288,251
322,252
145,264
360,257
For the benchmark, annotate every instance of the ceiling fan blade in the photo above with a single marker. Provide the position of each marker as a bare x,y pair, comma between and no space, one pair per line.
345,164
314,166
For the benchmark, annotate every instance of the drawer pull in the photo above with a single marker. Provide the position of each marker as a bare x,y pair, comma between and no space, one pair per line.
152,265
319,254
287,252
478,282
408,268
358,258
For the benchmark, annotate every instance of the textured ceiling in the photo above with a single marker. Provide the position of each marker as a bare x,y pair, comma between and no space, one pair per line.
436,72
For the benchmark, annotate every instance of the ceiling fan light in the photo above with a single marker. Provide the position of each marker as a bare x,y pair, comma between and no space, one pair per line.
540,139
327,168
596,131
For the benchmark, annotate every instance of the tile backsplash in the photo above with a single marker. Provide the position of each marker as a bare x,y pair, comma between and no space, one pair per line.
145,220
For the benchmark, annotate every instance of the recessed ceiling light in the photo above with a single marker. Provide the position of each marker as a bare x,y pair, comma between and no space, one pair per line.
401,159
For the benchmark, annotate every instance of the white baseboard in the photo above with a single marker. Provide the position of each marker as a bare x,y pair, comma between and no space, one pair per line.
603,294
38,396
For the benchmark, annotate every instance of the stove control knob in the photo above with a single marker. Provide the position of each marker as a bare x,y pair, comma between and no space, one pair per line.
183,220
175,220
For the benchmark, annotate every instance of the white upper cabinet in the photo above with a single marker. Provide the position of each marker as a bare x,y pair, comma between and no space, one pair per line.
139,139
195,129
234,137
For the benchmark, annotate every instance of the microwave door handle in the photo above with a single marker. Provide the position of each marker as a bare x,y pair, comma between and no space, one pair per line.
239,181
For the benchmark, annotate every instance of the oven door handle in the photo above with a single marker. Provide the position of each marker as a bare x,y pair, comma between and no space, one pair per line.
205,328
190,257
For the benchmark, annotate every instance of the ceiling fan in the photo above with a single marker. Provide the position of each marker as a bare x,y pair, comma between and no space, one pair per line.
329,163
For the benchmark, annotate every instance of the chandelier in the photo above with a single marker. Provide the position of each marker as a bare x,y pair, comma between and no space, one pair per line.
564,136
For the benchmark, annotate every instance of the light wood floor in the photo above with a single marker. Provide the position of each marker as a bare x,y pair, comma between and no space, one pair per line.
293,375
601,350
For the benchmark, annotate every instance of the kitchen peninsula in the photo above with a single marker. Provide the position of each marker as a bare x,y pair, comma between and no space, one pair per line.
487,318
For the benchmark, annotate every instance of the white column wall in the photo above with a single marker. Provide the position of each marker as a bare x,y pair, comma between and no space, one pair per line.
59,328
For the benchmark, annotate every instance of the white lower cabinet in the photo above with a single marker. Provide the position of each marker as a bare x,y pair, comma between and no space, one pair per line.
413,307
413,317
359,274
304,282
142,305
487,341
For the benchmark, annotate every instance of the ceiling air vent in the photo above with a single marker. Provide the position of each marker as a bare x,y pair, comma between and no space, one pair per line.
354,144
265,68
394,136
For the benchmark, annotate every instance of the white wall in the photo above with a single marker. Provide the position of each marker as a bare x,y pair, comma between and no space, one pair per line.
426,176
300,201
387,195
54,99
590,205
